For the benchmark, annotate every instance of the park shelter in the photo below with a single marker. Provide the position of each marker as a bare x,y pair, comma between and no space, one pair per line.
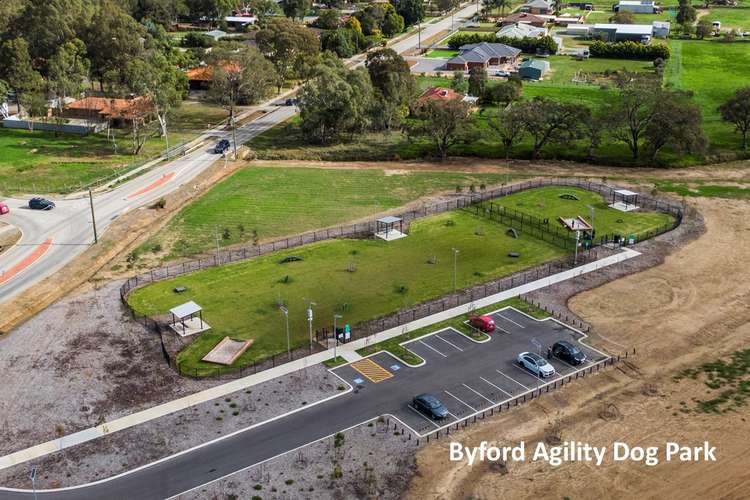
385,228
624,200
187,319
533,69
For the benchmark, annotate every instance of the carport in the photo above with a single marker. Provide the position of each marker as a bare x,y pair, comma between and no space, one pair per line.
624,200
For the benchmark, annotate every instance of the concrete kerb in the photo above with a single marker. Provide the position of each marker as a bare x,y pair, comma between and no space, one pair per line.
347,351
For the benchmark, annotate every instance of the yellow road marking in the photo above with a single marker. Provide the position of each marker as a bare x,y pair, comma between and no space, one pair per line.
373,371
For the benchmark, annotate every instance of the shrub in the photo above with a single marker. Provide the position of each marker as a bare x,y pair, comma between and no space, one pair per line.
197,40
629,50
528,45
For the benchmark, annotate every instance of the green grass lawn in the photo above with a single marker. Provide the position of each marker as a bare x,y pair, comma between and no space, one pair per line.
546,203
701,189
241,300
444,53
731,17
277,201
604,17
564,68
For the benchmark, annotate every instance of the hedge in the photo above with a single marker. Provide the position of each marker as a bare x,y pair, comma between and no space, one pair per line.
528,45
629,50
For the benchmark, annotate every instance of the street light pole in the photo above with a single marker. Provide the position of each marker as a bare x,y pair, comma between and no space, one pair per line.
285,311
32,476
455,257
310,321
335,336
93,216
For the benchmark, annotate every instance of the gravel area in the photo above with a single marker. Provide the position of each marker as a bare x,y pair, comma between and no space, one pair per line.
178,431
369,461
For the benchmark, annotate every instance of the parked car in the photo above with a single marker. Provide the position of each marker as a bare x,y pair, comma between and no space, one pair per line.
482,323
430,406
221,147
4,209
568,352
41,204
536,364
502,72
291,102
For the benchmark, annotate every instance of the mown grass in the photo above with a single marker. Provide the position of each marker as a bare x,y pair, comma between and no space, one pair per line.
444,53
393,345
731,17
701,189
268,202
242,299
727,380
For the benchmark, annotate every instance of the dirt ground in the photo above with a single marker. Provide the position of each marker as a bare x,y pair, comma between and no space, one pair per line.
693,308
8,236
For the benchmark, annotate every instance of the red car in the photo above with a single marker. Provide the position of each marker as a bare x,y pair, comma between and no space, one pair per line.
483,323
4,208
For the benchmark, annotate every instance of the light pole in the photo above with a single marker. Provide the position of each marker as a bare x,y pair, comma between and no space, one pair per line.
419,35
93,216
455,258
335,335
32,476
285,311
310,321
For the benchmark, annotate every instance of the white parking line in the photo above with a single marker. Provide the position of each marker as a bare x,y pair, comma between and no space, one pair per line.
430,347
479,394
502,330
529,372
462,402
512,379
421,415
449,343
496,387
519,325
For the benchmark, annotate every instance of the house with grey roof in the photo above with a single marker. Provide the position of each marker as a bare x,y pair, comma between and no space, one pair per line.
521,30
482,55
637,6
539,7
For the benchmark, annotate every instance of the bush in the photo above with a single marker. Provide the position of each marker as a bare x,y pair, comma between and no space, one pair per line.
528,45
629,50
197,40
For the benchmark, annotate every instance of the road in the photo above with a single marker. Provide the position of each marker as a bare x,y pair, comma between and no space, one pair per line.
466,375
52,239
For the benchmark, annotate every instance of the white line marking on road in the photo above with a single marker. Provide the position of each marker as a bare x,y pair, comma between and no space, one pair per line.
421,415
502,329
462,402
498,388
512,379
529,372
449,343
519,325
430,347
479,394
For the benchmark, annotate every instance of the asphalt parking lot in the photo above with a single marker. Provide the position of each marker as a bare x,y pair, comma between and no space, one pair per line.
467,376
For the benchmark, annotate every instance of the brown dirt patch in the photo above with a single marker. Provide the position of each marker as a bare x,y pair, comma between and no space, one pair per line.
690,309
9,235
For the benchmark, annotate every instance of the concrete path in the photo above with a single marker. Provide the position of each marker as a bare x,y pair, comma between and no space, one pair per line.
347,351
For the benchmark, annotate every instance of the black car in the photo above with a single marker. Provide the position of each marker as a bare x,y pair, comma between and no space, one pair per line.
41,204
430,406
221,147
569,353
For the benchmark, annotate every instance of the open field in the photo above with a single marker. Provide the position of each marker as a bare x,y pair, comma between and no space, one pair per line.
704,189
242,299
564,68
604,17
270,202
731,17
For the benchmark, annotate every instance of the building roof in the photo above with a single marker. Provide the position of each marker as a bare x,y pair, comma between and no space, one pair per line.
636,2
626,29
109,107
625,192
216,34
186,309
661,24
538,4
536,64
206,73
523,17
389,219
439,94
241,19
483,52
521,30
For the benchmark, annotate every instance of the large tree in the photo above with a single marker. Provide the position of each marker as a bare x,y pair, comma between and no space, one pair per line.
209,9
678,124
631,110
296,9
477,81
287,45
686,13
68,71
510,127
549,121
243,76
164,12
412,11
445,123
394,84
17,70
736,110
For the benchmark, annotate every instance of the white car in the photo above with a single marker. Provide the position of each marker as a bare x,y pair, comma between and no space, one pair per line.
536,364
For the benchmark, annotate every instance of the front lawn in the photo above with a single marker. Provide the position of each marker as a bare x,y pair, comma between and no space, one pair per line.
442,53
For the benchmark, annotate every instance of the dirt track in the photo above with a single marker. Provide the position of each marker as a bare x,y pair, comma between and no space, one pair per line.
691,309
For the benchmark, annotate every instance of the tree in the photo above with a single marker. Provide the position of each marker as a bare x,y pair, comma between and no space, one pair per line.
445,122
17,70
703,29
209,9
504,93
68,70
623,17
265,9
736,110
394,86
633,109
411,10
163,12
393,23
548,121
459,83
477,81
677,123
35,105
594,126
287,45
328,19
241,77
686,13
343,41
510,127
296,9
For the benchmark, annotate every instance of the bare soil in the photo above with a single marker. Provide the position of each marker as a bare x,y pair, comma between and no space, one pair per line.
693,308
9,235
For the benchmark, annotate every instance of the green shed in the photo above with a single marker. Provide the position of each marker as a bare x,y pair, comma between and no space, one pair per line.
533,69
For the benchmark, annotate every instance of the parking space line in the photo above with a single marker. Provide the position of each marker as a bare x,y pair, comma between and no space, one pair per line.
502,330
519,325
449,343
496,387
430,347
568,364
512,379
529,372
460,401
479,394
423,416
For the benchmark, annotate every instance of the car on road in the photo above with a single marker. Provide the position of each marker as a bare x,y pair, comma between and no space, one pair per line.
221,147
291,102
430,406
41,204
502,72
483,323
4,209
536,364
568,352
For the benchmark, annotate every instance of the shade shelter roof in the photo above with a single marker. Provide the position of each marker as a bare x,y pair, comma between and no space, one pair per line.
185,310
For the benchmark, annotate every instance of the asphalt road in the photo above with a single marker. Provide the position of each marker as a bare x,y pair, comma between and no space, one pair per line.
467,376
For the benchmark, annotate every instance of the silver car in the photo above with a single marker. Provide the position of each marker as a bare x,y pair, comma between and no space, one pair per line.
536,364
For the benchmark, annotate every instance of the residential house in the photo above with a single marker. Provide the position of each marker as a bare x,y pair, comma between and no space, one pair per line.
539,7
621,32
240,21
444,94
200,78
533,69
483,55
117,112
637,6
521,30
523,18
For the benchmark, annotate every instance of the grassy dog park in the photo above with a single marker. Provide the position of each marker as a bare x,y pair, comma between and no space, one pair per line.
361,279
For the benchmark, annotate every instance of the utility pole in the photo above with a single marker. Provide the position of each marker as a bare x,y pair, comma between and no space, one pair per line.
455,257
285,311
419,35
335,335
93,216
310,321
